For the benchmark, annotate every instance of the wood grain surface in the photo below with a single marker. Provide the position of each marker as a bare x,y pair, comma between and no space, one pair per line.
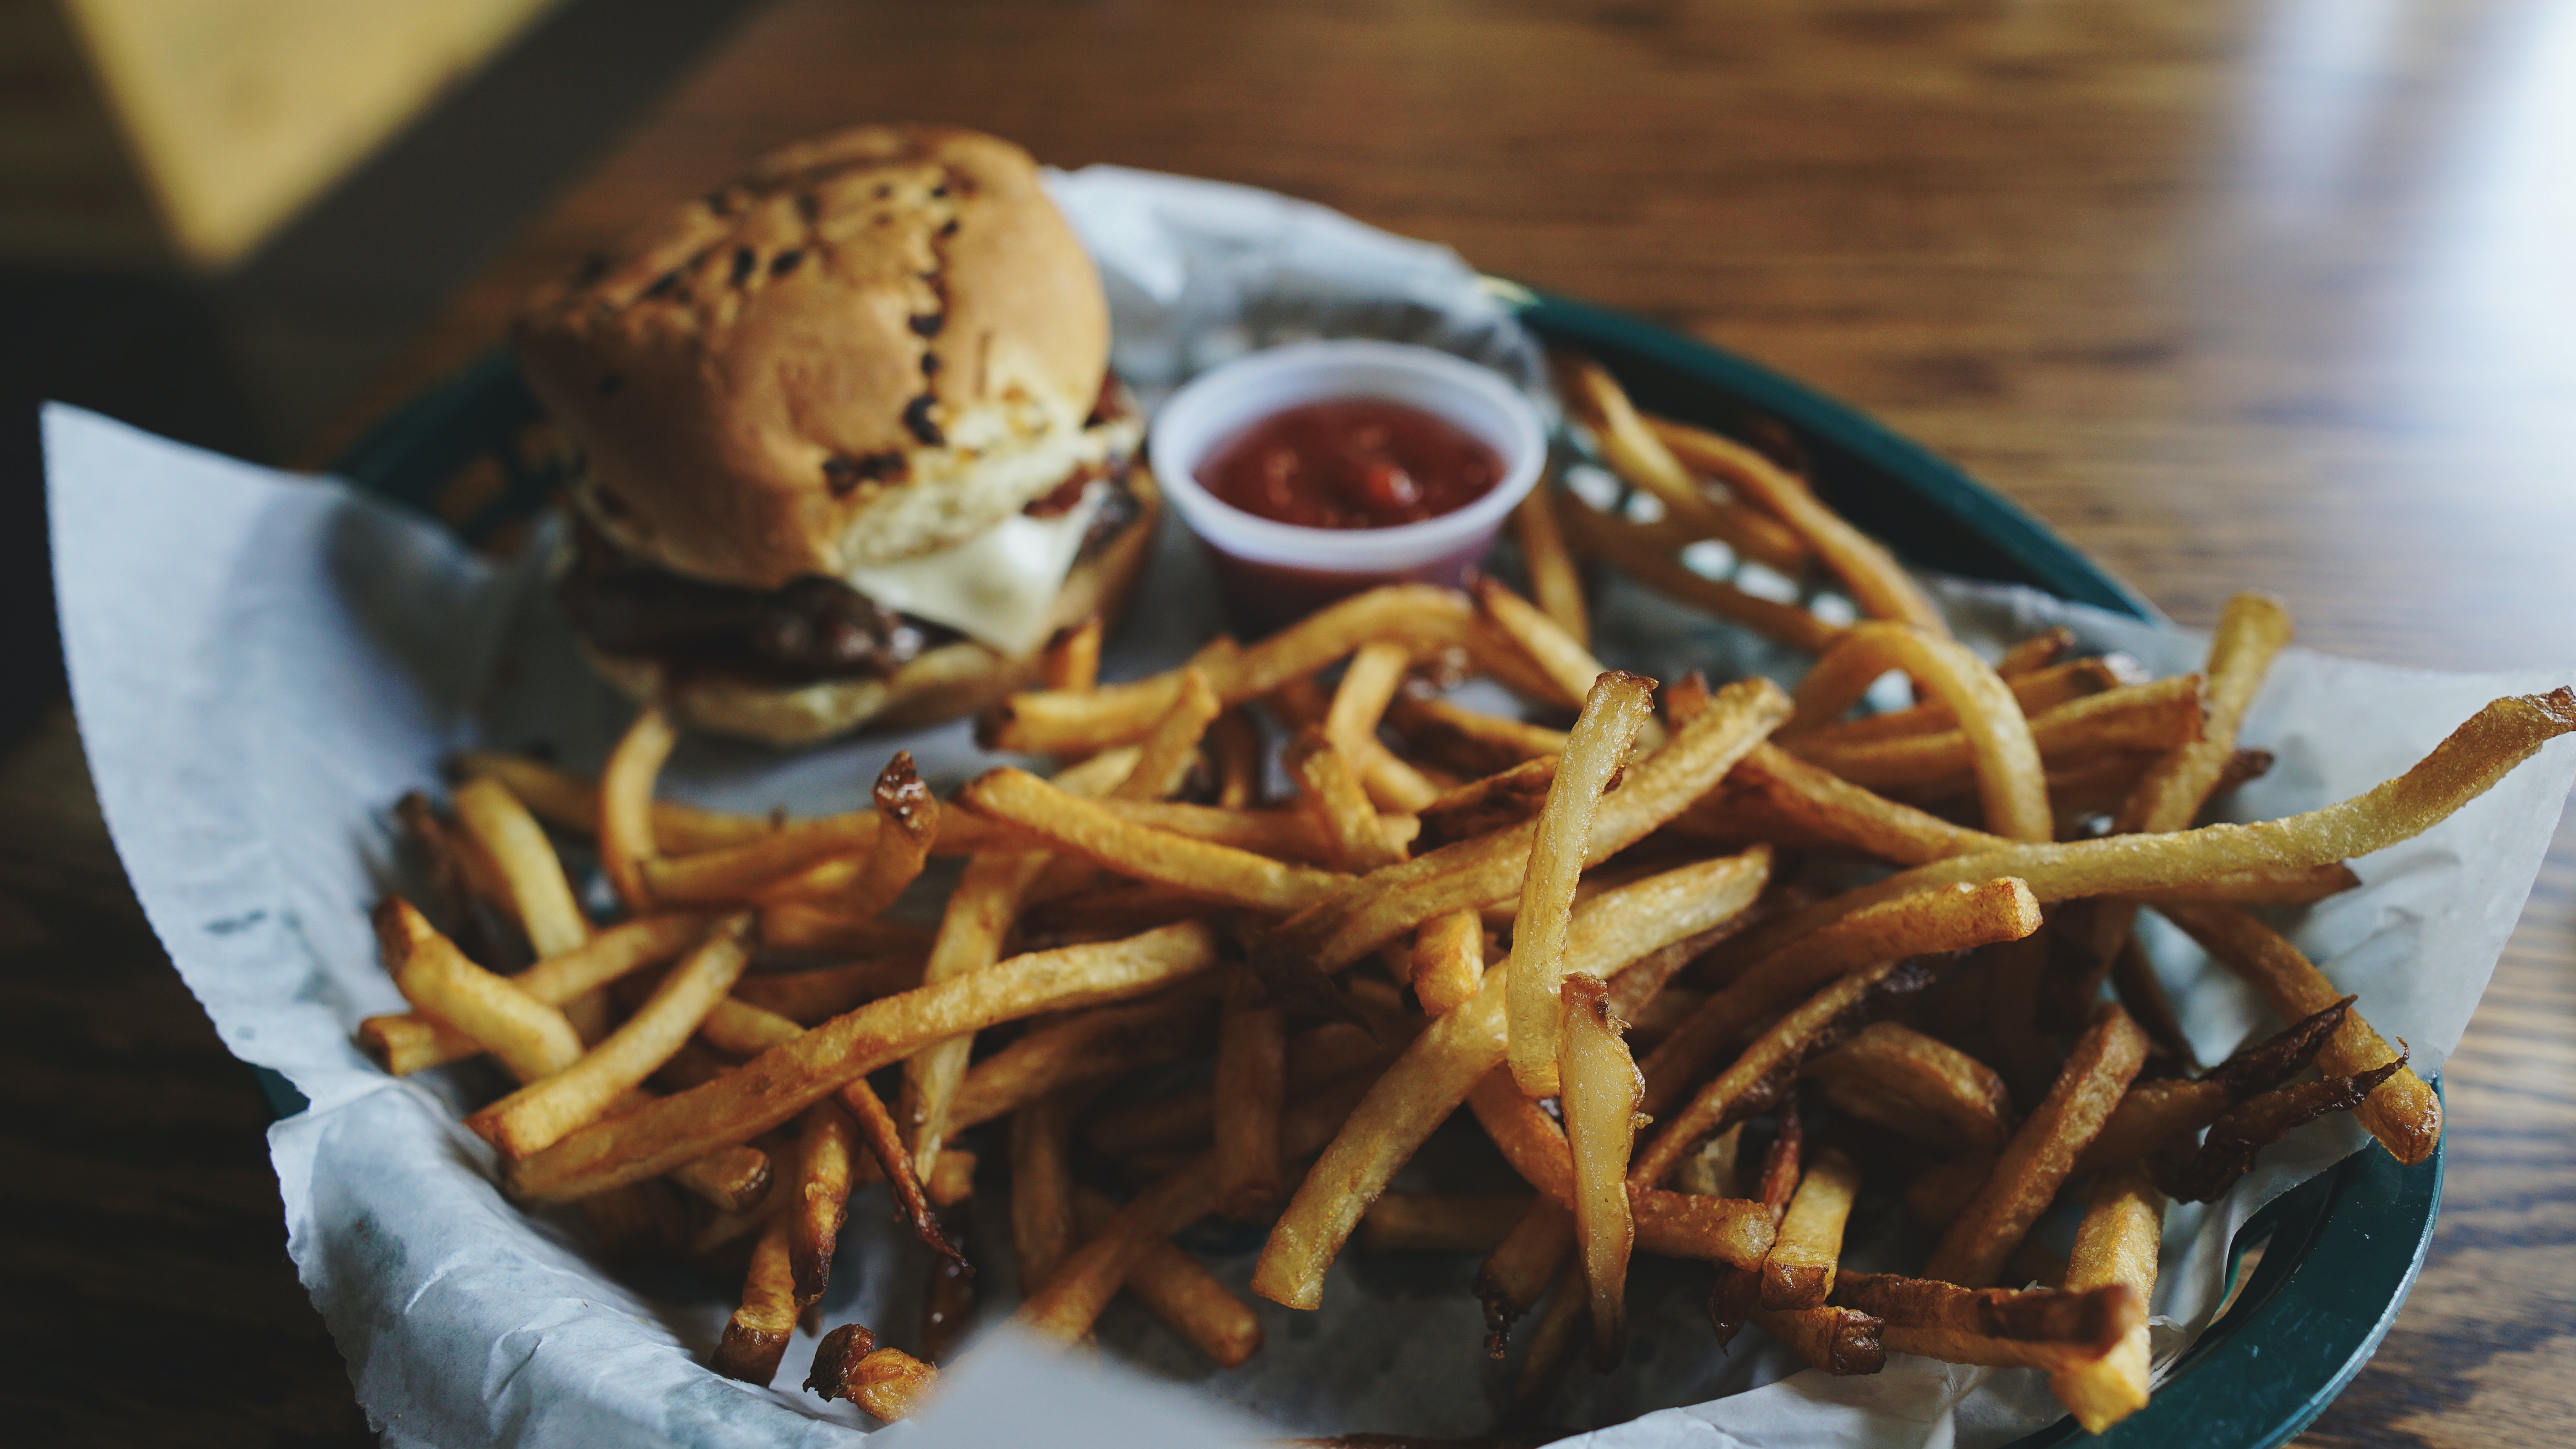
2269,295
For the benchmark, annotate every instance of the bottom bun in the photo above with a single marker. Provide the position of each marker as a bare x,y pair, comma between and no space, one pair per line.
949,682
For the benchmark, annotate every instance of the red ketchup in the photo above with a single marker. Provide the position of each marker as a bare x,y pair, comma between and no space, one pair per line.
1351,463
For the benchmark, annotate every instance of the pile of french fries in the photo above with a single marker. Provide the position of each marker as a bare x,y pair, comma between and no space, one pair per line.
1886,957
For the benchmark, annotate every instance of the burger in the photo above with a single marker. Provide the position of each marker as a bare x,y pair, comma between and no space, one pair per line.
847,446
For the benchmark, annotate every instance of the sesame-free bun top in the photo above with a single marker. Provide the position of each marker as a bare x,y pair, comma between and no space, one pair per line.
876,345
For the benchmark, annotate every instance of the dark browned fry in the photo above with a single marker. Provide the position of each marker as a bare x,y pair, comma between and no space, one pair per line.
1516,1273
907,824
2155,1113
1480,806
2040,1327
2227,1153
1838,1340
876,1127
887,1382
825,1147
1738,1291
755,1338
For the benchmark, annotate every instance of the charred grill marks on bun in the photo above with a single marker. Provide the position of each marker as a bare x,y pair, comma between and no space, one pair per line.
851,450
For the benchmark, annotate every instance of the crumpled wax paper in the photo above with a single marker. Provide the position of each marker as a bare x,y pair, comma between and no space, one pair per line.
263,663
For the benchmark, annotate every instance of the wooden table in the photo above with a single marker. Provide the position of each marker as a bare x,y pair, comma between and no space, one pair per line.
2271,296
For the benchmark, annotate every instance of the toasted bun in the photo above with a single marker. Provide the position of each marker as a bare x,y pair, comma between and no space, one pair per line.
944,683
876,345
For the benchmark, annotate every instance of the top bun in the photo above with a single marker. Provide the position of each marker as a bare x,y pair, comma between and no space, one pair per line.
877,345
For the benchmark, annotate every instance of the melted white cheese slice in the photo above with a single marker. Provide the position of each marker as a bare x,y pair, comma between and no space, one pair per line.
997,588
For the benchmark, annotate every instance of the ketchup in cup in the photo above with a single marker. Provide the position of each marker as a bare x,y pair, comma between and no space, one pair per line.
1322,469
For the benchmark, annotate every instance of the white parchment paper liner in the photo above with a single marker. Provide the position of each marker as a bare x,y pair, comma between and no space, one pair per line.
263,663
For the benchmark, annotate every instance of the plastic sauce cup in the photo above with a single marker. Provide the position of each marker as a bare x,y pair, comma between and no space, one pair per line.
1271,574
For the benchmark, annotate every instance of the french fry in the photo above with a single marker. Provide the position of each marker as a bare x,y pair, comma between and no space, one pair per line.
907,823
1559,1331
1469,741
1330,795
2153,1114
1088,1047
2037,652
1515,1275
1840,1341
1938,1194
1174,1288
1737,1291
1939,763
1368,685
516,844
1646,552
569,802
1554,582
532,1038
625,830
1247,1096
1281,834
2483,750
2040,1156
1234,751
2045,1328
541,1113
2402,1112
2011,782
1799,1271
2116,1245
806,927
1388,902
806,997
1482,806
876,1128
1072,660
1618,707
826,1151
1952,918
2035,691
1042,1221
1442,1222
1938,1094
1566,663
783,1080
971,931
1877,583
1601,1089
1167,753
809,860
1709,1171
755,1338
1423,618
1448,960
2227,1153
1641,457
1316,1056
948,1298
1065,822
1443,1064
887,1382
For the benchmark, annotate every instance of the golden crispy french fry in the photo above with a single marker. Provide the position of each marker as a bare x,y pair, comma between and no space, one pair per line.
2035,691
1443,1064
2117,1244
1442,1222
1330,796
1065,822
2480,752
569,802
2402,1112
2045,1328
1877,582
1838,1340
1368,685
1944,1096
1248,1092
2140,717
1515,1275
1423,618
1554,581
1164,760
539,1115
1072,661
806,997
625,828
755,1338
2011,781
1949,918
1641,457
1234,751
1042,1226
540,895
815,859
887,1382
1799,1270
783,1080
2041,1154
1088,1046
1391,901
1616,710
826,1159
1646,552
1448,960
971,931
1558,655
1280,834
1601,1089
1469,741
1174,1288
